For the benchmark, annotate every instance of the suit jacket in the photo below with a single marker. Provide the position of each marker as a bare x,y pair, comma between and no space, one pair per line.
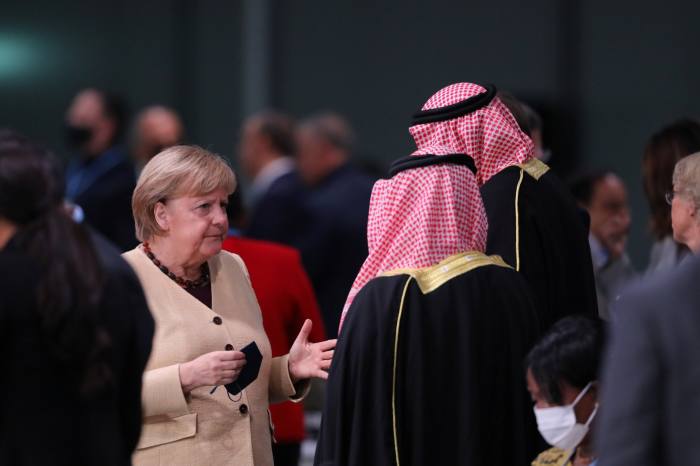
204,428
277,215
334,241
45,419
103,189
650,408
286,300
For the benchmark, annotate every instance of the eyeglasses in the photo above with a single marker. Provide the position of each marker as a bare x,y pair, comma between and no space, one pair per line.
669,197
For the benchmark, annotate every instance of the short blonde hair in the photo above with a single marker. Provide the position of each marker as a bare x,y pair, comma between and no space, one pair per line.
177,171
686,177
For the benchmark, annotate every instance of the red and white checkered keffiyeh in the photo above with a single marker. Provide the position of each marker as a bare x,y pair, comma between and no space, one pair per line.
490,135
420,217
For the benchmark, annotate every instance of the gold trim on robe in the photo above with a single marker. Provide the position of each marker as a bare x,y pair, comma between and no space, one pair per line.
535,168
431,278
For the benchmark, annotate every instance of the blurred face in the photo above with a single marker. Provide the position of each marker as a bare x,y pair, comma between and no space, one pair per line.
610,216
195,226
583,408
536,136
310,157
684,220
158,129
251,148
86,113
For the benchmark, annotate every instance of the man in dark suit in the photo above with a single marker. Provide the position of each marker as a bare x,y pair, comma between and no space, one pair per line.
333,243
650,408
265,154
100,179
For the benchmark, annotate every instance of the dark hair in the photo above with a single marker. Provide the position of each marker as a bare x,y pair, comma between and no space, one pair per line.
69,287
666,147
583,186
528,120
236,211
569,352
279,130
114,107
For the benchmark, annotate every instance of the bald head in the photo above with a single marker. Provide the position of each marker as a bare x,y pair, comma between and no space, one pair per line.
156,128
324,143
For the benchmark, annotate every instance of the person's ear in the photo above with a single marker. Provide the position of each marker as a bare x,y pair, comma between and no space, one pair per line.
161,215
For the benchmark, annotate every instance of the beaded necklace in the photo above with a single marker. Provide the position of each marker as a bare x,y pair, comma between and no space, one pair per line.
183,282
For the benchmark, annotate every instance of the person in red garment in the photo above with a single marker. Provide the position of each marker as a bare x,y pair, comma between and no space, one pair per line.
286,299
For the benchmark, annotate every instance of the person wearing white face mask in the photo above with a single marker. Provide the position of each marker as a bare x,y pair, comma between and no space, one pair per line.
562,378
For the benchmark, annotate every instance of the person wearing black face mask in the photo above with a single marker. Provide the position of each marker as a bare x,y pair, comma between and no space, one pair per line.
100,178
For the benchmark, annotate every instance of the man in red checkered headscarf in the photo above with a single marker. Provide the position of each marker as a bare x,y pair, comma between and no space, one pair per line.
431,318
534,222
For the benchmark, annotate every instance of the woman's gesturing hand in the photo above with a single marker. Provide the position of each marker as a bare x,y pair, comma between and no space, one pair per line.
215,368
308,359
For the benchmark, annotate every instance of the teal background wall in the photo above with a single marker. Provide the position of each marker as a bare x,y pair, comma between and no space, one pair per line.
605,75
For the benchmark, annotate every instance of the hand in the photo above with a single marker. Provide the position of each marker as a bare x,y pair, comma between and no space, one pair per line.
308,359
215,368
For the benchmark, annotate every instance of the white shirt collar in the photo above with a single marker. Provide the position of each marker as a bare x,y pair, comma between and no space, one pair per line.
270,172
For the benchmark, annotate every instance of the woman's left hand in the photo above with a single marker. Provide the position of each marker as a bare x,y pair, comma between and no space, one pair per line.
308,359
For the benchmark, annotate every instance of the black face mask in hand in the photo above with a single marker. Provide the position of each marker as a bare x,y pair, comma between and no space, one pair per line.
249,372
77,136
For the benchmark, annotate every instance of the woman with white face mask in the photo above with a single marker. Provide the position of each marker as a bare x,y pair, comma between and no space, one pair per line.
562,378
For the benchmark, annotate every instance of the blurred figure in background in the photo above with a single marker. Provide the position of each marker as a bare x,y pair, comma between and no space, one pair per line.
100,178
562,378
664,149
333,243
651,381
75,331
156,128
685,202
266,156
286,300
604,196
534,222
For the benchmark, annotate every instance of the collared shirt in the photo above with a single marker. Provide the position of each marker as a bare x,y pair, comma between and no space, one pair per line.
270,172
599,254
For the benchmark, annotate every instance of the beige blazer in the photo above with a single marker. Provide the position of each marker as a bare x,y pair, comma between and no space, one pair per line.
203,428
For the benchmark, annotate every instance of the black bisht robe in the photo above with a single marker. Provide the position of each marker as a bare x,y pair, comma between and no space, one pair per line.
548,244
457,333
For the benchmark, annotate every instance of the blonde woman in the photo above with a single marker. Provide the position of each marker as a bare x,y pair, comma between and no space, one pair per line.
205,313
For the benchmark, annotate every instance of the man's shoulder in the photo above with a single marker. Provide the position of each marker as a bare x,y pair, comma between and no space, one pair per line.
288,182
676,286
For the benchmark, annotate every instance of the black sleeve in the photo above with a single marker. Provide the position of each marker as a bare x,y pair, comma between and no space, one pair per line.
138,350
356,422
